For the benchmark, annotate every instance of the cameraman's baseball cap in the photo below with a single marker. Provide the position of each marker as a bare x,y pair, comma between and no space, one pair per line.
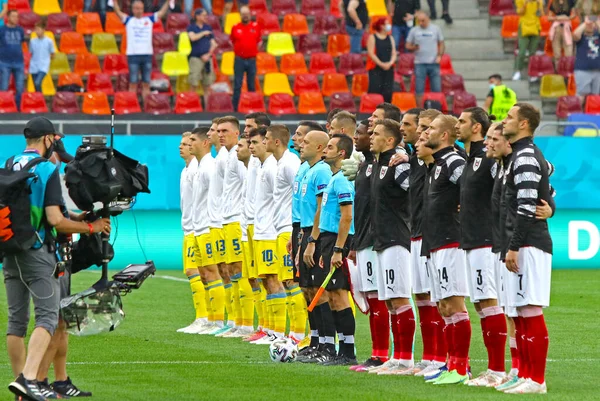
38,127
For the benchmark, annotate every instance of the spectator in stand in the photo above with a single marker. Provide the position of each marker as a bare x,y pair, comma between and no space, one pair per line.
445,10
203,46
587,57
101,7
584,8
356,18
381,49
42,50
3,11
403,18
12,37
228,6
560,13
139,43
500,99
245,37
427,41
188,5
530,26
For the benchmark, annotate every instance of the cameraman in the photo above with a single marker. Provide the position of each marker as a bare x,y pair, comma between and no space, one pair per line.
34,271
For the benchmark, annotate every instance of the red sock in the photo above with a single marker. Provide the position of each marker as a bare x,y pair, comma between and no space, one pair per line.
462,341
403,328
428,331
441,346
449,335
484,333
496,334
380,328
537,345
514,354
521,348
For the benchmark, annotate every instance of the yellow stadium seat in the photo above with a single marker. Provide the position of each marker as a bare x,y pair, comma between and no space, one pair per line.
175,64
227,59
182,85
276,82
230,20
59,64
376,8
46,7
184,46
280,43
553,86
48,88
585,132
49,35
104,43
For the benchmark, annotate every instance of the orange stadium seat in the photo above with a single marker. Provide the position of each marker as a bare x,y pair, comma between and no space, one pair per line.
114,24
351,63
334,9
163,42
115,64
281,103
334,83
571,85
404,100
251,102
292,64
265,63
219,103
59,23
592,104
313,7
344,101
157,104
510,27
438,97
360,84
452,83
86,64
88,23
309,44
258,7
73,7
7,103
306,83
20,5
283,7
127,103
567,105
177,23
33,103
295,24
338,44
70,78
100,82
65,103
27,21
321,63
96,103
461,101
72,43
369,101
326,25
268,23
311,103
446,65
545,26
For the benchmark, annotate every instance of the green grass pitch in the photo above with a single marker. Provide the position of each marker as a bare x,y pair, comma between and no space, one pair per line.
145,359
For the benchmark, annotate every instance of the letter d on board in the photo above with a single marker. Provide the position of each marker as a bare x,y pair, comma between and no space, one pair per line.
583,254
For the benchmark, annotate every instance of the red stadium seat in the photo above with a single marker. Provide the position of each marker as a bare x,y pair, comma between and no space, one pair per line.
100,82
157,104
7,103
127,103
326,25
360,84
96,103
86,64
546,24
251,102
405,65
164,77
311,103
344,101
313,7
404,100
446,65
292,64
115,64
265,63
321,63
306,83
452,83
281,103
20,5
438,97
463,100
163,42
65,103
268,23
223,43
334,9
258,7
27,21
567,105
88,23
189,102
114,24
566,66
334,83
177,23
295,24
122,84
540,65
73,7
59,23
592,104
219,103
338,44
214,22
283,7
498,8
158,25
309,44
369,101
351,63
33,103
72,43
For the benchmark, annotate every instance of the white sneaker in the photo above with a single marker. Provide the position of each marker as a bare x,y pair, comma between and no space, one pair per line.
507,386
192,326
227,330
528,387
401,370
197,326
433,367
419,366
266,340
516,76
210,326
487,379
389,365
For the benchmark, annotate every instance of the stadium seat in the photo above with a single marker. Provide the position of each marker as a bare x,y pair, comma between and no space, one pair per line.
571,85
306,83
86,64
223,43
351,63
566,66
122,83
313,7
510,27
369,101
405,65
338,44
281,103
452,83
115,64
126,103
59,64
265,63
230,20
592,104
360,84
548,50
184,45
438,97
309,44
334,83
100,82
182,84
88,23
96,103
546,24
7,103
227,60
498,8
268,23
404,100
174,64
21,6
280,43
158,25
33,103
177,23
214,22
461,101
73,7
553,86
295,24
446,65
48,88
321,63
540,65
251,102
283,7
159,75
292,64
157,104
334,9
27,21
65,103
326,25
258,7
45,7
257,87
219,103
311,103
70,78
72,43
163,42
58,23
113,24
342,100
276,82
104,43
567,105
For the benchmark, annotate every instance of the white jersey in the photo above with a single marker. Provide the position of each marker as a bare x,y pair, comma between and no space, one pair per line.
202,180
249,206
215,192
186,196
264,229
287,167
233,185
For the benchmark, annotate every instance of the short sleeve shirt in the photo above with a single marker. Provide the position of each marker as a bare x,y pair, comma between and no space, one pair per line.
201,46
427,39
139,35
339,192
296,192
41,51
313,184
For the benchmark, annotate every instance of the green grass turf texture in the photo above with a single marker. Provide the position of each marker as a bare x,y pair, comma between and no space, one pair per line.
145,359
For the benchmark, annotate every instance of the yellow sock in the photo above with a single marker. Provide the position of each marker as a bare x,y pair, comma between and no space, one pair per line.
229,302
352,305
246,303
217,299
278,312
290,312
211,315
198,296
298,304
260,307
237,308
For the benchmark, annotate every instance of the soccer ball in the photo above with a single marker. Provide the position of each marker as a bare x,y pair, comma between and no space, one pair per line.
283,350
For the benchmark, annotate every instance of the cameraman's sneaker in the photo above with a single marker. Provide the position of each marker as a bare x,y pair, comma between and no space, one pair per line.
48,392
67,388
27,389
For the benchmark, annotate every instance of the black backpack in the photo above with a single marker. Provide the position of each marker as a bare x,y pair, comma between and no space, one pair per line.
16,232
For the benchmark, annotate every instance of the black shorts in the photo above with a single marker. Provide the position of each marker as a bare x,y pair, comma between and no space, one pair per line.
310,277
295,233
340,279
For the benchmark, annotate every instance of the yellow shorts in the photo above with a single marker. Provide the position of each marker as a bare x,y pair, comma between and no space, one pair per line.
286,268
265,257
204,250
189,254
233,243
247,262
250,235
218,240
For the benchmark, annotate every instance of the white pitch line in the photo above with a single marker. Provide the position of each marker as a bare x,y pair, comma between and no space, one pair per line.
183,280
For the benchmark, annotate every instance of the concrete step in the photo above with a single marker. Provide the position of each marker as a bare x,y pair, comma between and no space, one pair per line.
461,9
476,50
481,88
482,69
468,29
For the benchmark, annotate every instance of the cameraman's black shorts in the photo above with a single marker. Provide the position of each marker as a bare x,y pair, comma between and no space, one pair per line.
310,277
340,279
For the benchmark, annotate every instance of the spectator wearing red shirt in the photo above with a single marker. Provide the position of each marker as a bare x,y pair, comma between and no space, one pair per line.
245,37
